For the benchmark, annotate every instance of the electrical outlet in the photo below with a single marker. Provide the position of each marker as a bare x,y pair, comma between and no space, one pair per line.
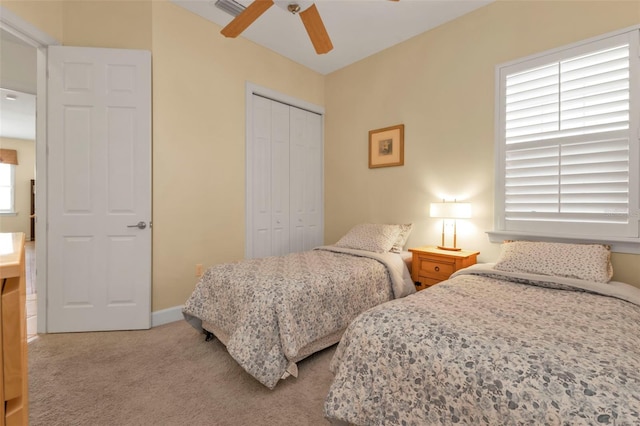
199,269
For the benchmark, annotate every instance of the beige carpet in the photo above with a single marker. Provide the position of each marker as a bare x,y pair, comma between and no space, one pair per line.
164,376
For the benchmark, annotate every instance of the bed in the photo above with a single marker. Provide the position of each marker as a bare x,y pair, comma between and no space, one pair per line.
272,312
539,337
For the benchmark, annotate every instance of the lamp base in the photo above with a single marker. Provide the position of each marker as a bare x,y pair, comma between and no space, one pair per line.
449,248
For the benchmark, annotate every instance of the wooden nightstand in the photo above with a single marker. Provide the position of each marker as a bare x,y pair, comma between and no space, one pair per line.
430,265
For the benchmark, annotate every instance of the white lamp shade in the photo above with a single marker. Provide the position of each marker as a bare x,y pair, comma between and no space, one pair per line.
450,210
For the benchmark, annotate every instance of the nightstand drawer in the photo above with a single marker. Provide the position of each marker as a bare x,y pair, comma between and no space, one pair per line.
427,281
435,269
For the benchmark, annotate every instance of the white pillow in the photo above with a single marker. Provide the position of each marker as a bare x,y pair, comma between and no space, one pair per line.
591,262
401,241
373,237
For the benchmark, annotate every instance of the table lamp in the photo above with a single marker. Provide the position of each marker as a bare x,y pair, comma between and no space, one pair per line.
450,211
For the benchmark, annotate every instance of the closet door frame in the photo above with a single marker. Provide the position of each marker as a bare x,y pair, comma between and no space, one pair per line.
251,90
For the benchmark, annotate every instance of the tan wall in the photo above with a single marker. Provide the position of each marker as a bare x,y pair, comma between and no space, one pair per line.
46,15
199,82
440,84
24,172
100,23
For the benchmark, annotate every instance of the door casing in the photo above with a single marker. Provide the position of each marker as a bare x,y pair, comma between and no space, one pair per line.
40,41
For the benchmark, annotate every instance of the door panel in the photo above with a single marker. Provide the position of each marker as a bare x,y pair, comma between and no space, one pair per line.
306,179
76,266
260,170
279,179
99,174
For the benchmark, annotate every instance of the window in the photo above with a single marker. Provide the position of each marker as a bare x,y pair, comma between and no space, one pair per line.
7,179
567,142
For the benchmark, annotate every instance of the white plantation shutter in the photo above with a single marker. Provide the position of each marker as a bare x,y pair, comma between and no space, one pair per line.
583,95
568,141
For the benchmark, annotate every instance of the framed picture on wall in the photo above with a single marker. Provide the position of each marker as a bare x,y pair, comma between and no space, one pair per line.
386,147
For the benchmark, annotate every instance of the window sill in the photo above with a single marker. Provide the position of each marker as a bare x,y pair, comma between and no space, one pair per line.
618,245
8,213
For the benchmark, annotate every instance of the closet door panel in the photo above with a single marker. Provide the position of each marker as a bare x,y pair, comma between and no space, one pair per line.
297,152
279,179
260,164
306,179
313,192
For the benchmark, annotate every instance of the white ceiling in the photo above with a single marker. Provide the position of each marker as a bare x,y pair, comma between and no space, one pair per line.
357,28
17,116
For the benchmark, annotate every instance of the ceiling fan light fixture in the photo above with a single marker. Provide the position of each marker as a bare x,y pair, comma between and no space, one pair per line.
233,8
293,8
297,5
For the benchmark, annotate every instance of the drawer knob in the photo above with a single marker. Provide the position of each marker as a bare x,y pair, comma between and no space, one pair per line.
437,268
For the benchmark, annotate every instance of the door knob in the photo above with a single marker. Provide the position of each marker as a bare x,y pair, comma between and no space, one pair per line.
139,225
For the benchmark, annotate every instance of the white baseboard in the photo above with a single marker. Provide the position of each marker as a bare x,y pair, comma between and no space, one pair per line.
165,316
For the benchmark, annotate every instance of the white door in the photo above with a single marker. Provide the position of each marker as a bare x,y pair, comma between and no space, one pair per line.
269,151
284,179
279,179
306,180
99,177
259,166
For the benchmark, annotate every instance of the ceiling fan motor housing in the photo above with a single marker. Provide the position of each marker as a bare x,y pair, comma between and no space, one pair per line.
293,8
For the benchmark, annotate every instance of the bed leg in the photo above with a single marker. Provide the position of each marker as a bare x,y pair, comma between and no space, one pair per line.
208,335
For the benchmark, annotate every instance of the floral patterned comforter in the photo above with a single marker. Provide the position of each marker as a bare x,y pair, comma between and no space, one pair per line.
482,348
270,308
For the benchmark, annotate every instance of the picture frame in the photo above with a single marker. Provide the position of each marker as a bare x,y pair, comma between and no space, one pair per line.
386,147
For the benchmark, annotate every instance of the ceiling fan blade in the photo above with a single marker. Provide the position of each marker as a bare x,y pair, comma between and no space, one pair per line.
246,18
316,30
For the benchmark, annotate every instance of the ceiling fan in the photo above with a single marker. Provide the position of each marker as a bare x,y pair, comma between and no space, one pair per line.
310,18
308,13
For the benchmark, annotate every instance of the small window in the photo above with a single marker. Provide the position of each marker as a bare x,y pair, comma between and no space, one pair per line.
7,179
567,142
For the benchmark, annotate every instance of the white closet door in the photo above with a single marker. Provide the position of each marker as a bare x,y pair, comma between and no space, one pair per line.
270,178
284,179
279,179
260,178
306,180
